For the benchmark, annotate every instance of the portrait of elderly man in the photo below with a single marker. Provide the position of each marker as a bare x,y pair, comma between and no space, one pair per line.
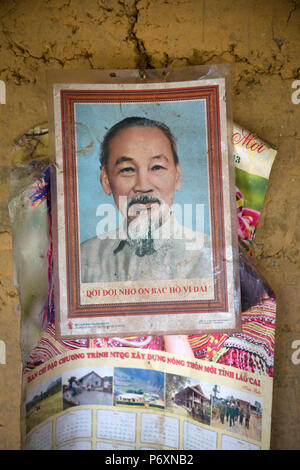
140,169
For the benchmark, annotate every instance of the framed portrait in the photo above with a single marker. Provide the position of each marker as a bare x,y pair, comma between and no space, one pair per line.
143,223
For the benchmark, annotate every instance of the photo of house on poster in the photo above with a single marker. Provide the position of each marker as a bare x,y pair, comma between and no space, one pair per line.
139,388
87,386
188,397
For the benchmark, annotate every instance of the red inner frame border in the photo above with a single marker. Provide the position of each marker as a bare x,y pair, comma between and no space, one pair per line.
211,95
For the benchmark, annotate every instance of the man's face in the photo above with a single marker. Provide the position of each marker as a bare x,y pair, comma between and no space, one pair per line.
141,173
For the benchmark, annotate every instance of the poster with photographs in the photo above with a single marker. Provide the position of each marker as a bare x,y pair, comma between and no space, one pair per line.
142,195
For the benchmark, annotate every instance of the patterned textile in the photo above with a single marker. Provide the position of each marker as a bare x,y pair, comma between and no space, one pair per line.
49,346
251,350
144,342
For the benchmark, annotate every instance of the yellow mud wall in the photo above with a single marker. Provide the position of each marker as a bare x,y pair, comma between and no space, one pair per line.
261,41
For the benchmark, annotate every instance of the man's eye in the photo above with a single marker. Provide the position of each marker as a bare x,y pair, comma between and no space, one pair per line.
127,170
158,167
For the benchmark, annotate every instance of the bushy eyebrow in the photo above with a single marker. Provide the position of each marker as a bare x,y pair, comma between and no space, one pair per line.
123,159
129,159
160,157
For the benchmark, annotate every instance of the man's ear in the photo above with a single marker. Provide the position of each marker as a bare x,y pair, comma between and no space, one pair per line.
105,181
178,177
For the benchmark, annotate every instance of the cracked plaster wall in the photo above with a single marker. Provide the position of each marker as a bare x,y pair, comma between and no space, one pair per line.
261,41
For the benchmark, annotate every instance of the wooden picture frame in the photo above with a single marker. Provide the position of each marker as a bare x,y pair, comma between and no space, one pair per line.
114,299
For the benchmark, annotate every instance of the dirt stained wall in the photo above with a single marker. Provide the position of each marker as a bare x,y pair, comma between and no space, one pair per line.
261,41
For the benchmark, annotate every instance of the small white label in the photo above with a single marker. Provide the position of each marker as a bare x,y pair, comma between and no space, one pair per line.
2,92
2,352
296,93
296,354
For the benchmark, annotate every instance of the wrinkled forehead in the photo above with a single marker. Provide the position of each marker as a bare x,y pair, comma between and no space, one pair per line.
152,141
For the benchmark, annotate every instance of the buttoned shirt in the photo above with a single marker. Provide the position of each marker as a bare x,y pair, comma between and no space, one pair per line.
178,253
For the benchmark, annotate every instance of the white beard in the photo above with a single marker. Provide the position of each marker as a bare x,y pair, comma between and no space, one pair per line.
141,229
146,221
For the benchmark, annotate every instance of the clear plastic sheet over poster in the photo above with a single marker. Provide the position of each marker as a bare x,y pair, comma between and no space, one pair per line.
145,239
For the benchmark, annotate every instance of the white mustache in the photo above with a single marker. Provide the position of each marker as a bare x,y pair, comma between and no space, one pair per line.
146,221
138,204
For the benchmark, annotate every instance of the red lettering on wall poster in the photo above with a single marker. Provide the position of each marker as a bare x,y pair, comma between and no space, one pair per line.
143,291
195,288
93,293
31,377
246,139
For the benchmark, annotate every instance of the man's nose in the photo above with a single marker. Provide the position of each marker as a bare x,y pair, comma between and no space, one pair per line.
143,183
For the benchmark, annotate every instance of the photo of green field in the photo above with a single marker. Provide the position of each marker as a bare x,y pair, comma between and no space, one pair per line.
43,402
